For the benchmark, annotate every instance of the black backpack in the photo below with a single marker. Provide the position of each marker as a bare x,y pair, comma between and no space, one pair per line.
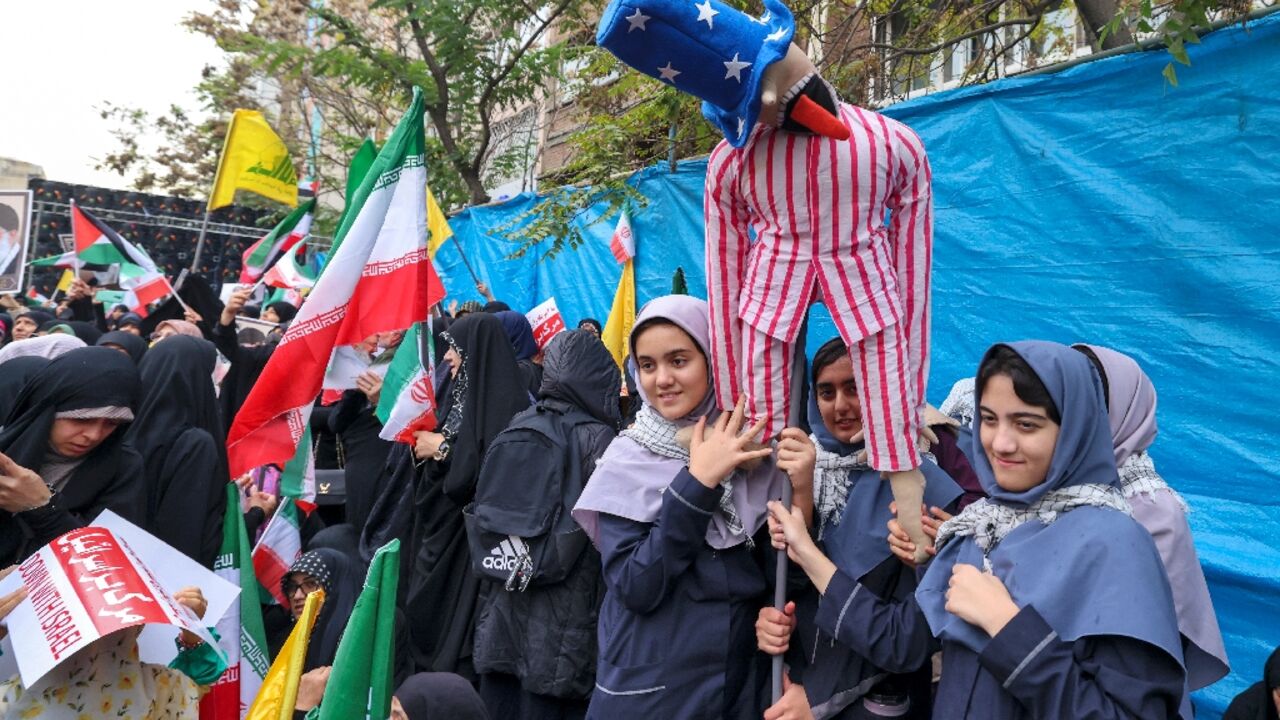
519,527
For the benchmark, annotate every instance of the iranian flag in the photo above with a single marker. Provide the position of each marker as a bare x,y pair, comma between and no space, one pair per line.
378,279
288,274
278,548
408,402
283,237
98,244
241,632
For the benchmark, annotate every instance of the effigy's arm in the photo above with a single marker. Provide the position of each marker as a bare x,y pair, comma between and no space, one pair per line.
727,219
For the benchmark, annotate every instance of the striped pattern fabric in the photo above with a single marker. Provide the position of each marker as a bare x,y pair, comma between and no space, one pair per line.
818,209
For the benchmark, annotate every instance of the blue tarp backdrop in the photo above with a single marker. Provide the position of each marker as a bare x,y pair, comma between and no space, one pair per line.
1098,204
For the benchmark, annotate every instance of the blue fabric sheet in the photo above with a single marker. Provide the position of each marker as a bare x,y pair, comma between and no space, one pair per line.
1098,204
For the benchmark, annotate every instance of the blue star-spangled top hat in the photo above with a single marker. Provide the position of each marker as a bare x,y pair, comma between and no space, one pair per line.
708,49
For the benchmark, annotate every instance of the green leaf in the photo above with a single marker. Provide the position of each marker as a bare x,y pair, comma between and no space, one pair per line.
1179,53
1170,75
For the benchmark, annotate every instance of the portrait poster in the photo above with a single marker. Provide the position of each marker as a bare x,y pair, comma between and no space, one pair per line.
15,229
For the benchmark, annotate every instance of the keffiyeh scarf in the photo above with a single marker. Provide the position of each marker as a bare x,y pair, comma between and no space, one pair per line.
1138,476
658,435
989,522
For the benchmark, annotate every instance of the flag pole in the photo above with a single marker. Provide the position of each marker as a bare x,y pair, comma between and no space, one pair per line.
797,381
204,225
474,278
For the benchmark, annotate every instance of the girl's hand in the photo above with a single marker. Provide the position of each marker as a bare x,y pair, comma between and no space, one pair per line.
191,597
797,457
774,628
789,532
900,543
979,598
714,457
794,704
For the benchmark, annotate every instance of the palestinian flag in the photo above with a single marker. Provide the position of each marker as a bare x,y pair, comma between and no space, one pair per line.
408,402
288,273
278,548
34,298
378,279
283,237
242,636
96,243
68,260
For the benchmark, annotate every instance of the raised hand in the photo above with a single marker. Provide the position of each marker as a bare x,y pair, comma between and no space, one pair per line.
714,455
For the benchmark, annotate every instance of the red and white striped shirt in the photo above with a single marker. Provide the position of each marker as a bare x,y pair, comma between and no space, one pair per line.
818,206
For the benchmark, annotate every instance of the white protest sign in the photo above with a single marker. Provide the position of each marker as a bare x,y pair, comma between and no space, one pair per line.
91,582
348,363
546,321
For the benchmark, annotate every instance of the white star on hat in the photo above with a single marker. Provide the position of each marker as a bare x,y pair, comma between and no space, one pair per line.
763,19
668,73
733,68
777,35
637,21
742,122
706,12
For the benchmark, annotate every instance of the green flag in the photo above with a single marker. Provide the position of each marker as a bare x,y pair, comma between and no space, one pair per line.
363,668
360,164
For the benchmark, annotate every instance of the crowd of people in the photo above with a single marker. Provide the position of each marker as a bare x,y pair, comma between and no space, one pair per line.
637,525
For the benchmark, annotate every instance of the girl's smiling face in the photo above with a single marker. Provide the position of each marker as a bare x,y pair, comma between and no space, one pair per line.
1018,438
672,369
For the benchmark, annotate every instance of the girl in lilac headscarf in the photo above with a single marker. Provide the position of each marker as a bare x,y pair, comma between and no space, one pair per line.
674,528
1131,407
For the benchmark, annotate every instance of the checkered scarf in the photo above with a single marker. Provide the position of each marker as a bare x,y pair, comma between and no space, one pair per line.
989,522
959,402
1138,476
658,435
831,484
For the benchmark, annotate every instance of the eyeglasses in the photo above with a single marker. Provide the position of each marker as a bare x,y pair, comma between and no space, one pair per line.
307,587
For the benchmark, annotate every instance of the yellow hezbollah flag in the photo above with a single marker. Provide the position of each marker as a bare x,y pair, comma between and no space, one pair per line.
254,158
617,329
68,277
438,229
279,691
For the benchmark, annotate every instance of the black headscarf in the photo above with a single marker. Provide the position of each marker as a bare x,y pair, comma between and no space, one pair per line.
495,306
342,581
84,378
177,396
593,323
133,345
87,332
579,370
1256,702
284,311
486,394
438,326
14,374
440,696
129,319
39,317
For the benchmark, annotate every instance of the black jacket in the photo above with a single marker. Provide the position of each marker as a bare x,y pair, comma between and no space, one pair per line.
546,635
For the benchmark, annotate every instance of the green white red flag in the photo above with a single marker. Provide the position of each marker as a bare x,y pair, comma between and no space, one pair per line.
378,278
278,548
241,634
293,229
288,274
408,402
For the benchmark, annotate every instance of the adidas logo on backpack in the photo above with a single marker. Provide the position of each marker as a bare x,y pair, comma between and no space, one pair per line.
506,556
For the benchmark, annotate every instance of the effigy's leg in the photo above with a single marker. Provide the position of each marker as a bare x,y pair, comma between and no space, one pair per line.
767,379
890,420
